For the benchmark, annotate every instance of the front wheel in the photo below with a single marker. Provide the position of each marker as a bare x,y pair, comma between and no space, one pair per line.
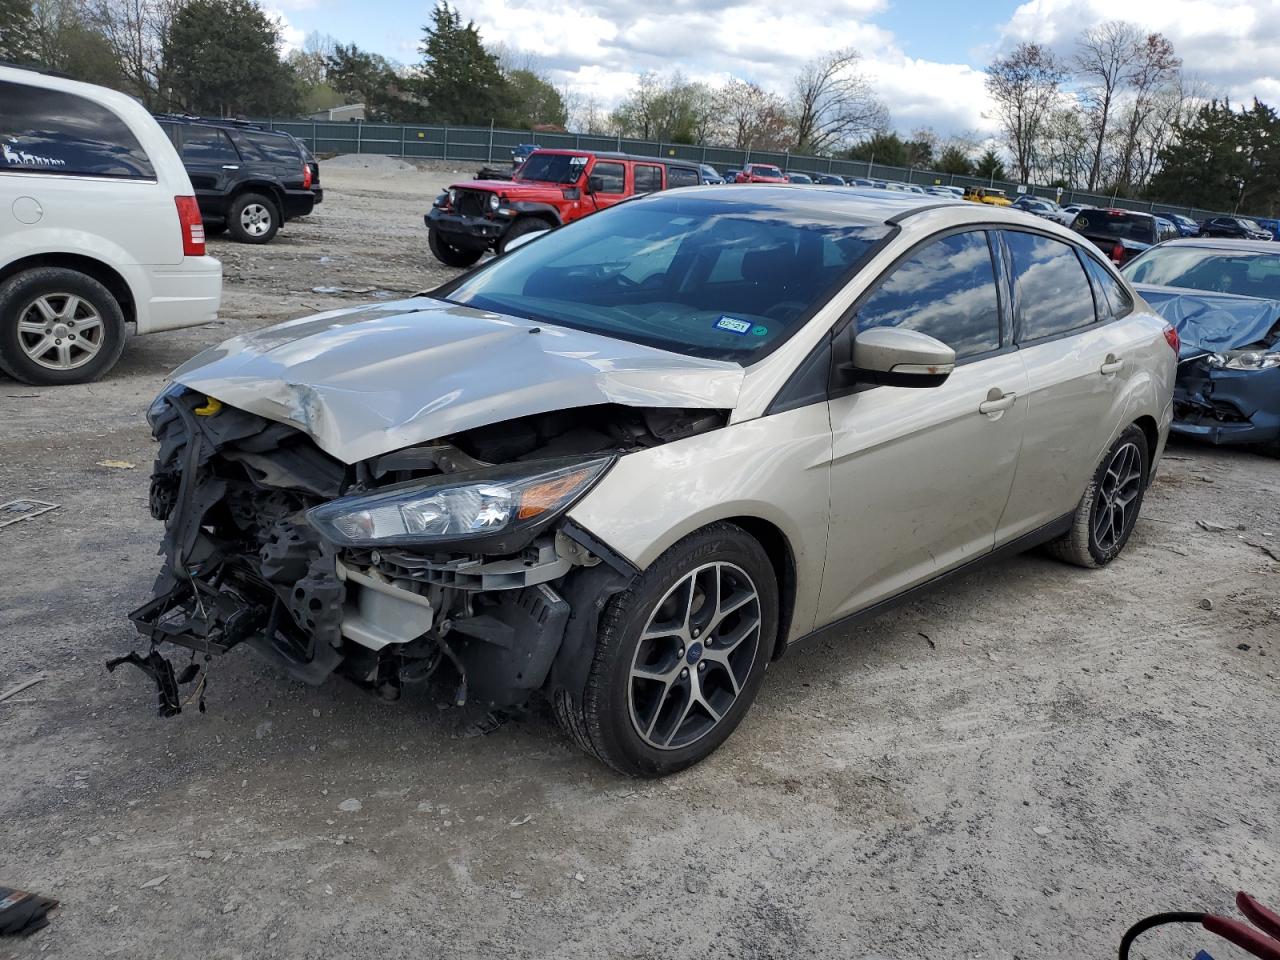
1105,516
521,228
450,255
679,656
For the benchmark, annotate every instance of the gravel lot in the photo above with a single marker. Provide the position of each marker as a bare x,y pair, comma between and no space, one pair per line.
1018,766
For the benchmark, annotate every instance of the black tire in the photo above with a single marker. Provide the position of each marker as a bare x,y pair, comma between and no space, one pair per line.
521,228
253,218
215,229
20,297
1097,534
448,254
601,721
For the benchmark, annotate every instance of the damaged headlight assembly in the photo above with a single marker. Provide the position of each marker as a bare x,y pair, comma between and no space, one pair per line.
1244,360
502,508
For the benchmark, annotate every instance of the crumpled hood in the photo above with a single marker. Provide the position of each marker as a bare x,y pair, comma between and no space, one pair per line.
1209,322
368,380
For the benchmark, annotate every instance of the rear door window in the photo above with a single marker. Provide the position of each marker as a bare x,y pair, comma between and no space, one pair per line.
207,145
1053,292
52,132
947,290
276,148
648,178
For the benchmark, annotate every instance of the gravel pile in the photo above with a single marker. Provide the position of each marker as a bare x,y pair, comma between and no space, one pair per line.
369,162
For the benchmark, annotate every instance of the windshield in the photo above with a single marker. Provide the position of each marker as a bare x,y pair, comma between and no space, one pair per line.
1116,226
552,168
706,277
1252,225
1203,268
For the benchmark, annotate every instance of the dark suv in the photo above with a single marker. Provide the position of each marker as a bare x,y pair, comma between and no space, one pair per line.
248,181
551,187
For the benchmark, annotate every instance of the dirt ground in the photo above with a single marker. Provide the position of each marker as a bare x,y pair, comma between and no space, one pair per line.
1020,765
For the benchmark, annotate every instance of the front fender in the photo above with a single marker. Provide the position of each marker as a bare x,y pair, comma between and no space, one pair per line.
533,208
776,469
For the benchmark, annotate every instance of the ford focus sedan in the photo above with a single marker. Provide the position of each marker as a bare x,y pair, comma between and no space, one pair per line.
627,465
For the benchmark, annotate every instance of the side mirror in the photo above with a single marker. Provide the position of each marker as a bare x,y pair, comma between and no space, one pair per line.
595,184
891,356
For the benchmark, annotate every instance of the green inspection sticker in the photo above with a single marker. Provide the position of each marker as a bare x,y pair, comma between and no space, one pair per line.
758,331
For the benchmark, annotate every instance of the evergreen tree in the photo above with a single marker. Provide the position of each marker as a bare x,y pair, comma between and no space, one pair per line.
990,166
1206,163
225,62
534,101
955,160
16,41
461,81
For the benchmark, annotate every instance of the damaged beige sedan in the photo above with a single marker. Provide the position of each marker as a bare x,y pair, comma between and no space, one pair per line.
626,465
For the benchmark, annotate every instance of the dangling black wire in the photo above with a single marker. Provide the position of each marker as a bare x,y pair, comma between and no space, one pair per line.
1155,920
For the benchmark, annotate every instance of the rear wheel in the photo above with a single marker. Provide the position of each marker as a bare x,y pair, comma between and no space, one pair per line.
679,656
58,326
253,218
1108,510
449,254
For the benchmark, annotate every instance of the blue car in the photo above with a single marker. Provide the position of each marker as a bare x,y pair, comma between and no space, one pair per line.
1270,225
1186,226
1223,298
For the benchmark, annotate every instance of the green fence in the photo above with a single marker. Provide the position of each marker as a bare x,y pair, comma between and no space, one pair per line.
494,145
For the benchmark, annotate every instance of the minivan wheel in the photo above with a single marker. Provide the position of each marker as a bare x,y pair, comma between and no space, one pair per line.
448,254
1106,514
679,655
58,326
253,218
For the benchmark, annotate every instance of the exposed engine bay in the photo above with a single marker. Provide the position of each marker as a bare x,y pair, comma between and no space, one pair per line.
357,569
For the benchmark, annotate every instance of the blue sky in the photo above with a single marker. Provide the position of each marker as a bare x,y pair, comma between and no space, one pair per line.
925,57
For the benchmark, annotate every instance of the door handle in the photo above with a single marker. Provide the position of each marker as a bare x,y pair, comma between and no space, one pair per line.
1111,365
997,401
230,166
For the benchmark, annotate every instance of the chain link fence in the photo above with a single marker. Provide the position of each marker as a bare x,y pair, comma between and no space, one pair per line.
491,144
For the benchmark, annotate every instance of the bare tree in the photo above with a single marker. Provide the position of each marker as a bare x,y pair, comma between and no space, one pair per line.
138,34
751,117
1155,67
1067,150
833,103
1025,86
1103,58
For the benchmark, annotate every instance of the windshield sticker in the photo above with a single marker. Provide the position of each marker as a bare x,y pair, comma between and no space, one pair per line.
759,331
733,325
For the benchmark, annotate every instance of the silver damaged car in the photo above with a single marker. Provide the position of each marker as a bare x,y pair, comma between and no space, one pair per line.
625,466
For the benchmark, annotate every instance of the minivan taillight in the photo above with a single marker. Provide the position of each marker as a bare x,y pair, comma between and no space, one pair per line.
191,225
1171,337
306,176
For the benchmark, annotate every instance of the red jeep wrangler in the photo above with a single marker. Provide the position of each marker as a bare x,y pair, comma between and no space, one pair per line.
551,188
761,173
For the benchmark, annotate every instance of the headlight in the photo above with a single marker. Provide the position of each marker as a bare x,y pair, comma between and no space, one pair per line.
441,200
1244,360
161,403
506,504
494,202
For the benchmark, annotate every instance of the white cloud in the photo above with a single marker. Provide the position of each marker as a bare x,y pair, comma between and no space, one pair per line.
290,36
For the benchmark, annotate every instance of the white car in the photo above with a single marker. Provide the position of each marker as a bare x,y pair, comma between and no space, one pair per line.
1067,215
99,229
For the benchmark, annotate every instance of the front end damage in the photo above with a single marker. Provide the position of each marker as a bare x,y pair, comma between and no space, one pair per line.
273,544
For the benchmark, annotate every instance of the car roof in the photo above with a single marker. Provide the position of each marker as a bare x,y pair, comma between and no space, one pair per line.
1223,243
857,202
615,155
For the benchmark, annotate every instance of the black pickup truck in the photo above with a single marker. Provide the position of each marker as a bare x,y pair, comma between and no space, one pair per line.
248,181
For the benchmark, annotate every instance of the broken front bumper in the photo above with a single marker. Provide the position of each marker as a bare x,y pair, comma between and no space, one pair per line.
1227,406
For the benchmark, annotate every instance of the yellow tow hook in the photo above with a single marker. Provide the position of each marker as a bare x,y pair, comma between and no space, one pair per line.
211,406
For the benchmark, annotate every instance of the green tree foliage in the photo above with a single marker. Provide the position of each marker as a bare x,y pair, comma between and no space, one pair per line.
990,166
1223,159
534,101
362,77
459,80
15,31
954,160
885,147
225,62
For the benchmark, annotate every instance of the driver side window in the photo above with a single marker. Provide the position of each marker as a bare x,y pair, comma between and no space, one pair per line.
946,289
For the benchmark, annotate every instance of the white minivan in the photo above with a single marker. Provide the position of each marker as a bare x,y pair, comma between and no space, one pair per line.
99,229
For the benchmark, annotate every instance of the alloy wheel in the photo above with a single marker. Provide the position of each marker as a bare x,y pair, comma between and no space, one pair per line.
60,331
1115,510
694,656
256,219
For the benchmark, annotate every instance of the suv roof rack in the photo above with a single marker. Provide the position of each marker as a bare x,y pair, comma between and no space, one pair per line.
219,121
32,68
